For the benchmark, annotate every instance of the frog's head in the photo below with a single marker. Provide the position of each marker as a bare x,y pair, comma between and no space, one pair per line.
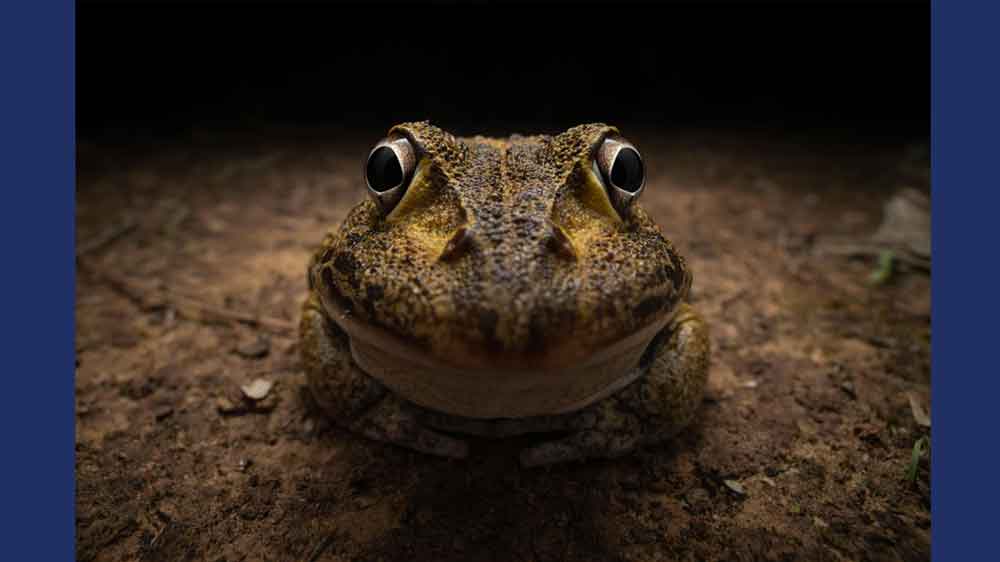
525,252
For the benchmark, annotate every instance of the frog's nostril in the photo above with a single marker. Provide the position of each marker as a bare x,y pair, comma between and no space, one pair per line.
560,243
459,243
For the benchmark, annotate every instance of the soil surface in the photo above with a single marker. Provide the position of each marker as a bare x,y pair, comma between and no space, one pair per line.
191,259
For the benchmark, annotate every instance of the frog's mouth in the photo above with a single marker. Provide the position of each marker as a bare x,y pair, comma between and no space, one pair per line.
480,387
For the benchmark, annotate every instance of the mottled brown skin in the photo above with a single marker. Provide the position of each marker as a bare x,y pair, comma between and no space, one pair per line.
503,251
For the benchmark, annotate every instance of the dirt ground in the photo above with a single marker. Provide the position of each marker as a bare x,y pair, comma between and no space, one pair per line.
191,261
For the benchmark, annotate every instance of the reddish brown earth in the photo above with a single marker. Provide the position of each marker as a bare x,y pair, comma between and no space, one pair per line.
191,262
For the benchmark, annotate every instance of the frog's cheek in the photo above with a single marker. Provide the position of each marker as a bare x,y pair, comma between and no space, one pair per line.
430,215
595,197
418,196
584,214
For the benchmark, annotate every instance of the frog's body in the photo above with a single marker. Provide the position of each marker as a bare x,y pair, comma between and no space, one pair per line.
507,291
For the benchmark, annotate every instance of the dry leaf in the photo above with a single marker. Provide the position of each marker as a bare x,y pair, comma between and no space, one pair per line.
919,414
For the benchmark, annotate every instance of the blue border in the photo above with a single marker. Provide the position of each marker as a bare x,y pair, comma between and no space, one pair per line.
965,155
37,175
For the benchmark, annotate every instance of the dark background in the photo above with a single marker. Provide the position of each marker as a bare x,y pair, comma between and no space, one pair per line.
856,68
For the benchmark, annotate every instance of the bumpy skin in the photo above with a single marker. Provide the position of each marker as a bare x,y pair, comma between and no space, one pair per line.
506,250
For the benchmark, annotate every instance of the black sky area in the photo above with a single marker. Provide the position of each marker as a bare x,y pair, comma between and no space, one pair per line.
496,68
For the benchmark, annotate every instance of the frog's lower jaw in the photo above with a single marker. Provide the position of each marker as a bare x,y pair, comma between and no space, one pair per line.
497,391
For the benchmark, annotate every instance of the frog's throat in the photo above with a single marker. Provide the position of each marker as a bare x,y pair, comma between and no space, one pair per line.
489,388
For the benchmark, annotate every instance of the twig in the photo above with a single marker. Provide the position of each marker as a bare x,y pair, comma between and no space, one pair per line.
274,324
142,296
106,238
159,533
855,249
175,220
733,298
320,548
131,289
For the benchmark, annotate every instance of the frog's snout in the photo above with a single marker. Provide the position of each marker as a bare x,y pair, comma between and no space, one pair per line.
546,237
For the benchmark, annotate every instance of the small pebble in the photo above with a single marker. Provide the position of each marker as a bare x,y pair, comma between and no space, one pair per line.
163,412
806,427
226,406
256,349
736,487
257,390
848,388
698,499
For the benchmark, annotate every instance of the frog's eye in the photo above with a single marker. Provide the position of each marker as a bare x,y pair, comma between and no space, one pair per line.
388,171
620,167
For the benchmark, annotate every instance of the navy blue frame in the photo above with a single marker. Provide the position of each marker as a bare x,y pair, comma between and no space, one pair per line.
37,180
965,184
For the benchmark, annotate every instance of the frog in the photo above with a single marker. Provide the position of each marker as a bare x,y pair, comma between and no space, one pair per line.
491,287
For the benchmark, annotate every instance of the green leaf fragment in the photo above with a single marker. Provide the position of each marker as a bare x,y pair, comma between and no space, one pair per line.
919,448
886,262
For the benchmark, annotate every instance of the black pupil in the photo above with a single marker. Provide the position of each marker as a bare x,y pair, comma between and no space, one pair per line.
384,171
626,172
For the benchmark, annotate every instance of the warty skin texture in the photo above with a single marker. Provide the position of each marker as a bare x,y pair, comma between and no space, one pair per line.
507,254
